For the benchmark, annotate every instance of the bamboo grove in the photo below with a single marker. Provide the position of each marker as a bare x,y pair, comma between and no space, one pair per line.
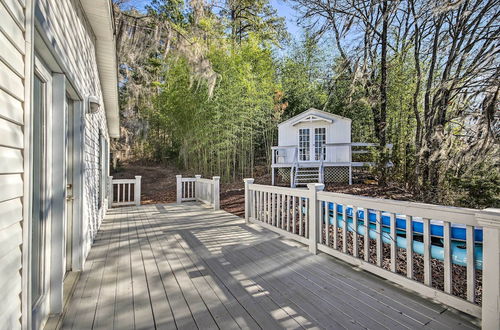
204,83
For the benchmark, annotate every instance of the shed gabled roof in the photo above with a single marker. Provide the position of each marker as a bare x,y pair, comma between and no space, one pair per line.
100,16
313,114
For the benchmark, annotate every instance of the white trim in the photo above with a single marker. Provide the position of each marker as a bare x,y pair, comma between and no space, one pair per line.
316,112
310,119
27,187
299,147
40,311
58,182
78,140
99,14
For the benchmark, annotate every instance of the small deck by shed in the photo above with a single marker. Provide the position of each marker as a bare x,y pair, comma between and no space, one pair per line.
188,266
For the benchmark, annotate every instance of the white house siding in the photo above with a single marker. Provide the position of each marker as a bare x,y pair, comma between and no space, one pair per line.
12,94
67,32
71,36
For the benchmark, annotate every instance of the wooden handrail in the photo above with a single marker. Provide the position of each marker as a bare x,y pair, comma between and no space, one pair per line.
307,215
198,189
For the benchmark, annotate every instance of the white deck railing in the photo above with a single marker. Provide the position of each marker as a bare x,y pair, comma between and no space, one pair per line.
124,191
335,224
198,189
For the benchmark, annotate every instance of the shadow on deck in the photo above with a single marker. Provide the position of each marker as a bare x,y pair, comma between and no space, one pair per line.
171,266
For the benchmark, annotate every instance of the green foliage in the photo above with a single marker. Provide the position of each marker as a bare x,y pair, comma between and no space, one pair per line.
213,87
302,75
217,135
480,189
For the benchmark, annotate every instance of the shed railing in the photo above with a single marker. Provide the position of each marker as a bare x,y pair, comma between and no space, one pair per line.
124,191
339,153
199,189
404,242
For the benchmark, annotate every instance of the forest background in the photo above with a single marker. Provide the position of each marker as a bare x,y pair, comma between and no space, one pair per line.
203,84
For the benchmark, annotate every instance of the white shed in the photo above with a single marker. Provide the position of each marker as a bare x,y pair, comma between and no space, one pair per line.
314,146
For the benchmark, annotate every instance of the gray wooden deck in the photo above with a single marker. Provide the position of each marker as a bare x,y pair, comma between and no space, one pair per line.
170,266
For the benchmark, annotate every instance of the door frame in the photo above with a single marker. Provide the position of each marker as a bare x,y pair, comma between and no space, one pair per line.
39,310
312,143
298,144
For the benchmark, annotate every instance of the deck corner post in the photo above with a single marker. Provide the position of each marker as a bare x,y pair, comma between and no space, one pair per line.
196,186
137,190
489,219
179,188
110,191
216,197
313,216
248,203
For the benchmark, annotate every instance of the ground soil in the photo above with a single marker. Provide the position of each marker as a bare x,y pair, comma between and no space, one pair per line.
158,186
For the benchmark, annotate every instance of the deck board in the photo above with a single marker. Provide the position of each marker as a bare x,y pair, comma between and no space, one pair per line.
187,267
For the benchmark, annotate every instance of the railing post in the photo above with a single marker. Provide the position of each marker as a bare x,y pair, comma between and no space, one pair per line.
196,187
179,188
313,216
489,219
248,203
216,197
110,192
137,190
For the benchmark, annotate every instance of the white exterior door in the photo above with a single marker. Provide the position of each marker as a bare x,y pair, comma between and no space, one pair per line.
68,223
312,144
319,143
304,144
40,196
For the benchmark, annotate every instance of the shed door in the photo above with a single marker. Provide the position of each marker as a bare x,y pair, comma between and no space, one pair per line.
317,148
319,143
304,144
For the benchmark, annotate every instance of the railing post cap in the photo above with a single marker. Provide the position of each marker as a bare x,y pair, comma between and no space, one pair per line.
138,176
249,180
316,186
198,176
216,178
489,217
178,176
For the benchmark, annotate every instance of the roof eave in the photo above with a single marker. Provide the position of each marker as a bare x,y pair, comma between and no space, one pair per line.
100,15
310,110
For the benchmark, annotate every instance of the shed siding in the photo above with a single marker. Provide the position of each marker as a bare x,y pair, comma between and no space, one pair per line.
72,38
339,131
11,160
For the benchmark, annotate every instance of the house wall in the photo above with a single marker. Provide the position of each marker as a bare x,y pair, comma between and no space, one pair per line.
337,132
13,52
71,44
